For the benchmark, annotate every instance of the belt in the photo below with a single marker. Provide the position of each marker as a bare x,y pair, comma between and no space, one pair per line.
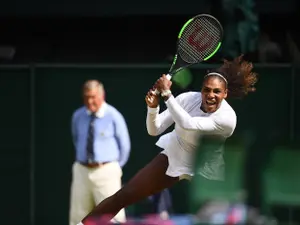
93,165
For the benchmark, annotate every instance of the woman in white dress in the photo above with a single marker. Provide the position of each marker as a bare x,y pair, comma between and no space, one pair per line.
195,114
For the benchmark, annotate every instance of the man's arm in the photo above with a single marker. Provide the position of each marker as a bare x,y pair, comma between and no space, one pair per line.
73,128
123,138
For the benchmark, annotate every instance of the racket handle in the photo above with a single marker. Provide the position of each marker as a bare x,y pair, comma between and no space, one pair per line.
169,78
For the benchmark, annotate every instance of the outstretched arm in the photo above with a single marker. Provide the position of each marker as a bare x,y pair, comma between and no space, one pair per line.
224,124
218,124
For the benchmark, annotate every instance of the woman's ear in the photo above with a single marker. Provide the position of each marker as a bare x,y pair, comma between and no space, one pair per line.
225,93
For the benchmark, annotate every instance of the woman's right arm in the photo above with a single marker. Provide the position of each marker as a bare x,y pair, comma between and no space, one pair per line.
157,122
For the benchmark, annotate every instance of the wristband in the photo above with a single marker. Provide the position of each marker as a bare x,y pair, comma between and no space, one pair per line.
166,93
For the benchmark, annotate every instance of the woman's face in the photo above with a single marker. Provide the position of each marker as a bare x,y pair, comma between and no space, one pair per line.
213,92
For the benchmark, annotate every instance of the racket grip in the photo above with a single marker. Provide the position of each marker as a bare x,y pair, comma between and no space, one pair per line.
169,78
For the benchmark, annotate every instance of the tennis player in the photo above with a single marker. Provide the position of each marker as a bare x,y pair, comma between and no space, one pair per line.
195,114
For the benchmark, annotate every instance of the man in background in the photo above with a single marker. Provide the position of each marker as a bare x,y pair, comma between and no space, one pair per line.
102,146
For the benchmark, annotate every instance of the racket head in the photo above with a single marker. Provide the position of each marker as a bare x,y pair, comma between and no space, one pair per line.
198,40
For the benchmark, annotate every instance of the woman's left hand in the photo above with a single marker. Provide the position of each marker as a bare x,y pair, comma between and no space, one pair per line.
163,83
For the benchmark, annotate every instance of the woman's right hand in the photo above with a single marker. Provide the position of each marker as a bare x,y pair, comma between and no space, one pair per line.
152,99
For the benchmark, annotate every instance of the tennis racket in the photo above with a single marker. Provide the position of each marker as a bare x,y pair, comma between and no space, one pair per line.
199,39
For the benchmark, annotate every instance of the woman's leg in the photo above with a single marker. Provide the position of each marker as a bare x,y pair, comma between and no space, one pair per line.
149,180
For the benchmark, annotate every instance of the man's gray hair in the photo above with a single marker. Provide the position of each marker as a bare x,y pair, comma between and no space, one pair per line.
92,84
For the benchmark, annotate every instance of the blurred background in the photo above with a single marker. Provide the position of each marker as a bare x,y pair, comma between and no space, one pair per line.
49,48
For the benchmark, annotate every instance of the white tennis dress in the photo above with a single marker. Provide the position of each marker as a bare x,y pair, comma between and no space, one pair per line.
190,124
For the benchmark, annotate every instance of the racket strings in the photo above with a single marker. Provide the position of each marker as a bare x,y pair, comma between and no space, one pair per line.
199,39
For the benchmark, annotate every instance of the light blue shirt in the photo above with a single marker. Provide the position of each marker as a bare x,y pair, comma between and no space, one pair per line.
111,140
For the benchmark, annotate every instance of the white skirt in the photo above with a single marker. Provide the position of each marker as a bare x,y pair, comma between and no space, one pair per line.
181,160
173,171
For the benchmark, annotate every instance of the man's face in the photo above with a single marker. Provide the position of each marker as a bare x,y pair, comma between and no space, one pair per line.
93,99
213,92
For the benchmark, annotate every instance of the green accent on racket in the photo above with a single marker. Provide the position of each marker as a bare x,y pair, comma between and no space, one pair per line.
214,52
182,29
199,39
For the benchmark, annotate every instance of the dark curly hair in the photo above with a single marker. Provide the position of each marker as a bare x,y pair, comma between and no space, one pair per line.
239,75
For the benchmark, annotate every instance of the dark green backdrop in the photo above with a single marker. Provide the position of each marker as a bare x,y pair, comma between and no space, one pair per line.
37,103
